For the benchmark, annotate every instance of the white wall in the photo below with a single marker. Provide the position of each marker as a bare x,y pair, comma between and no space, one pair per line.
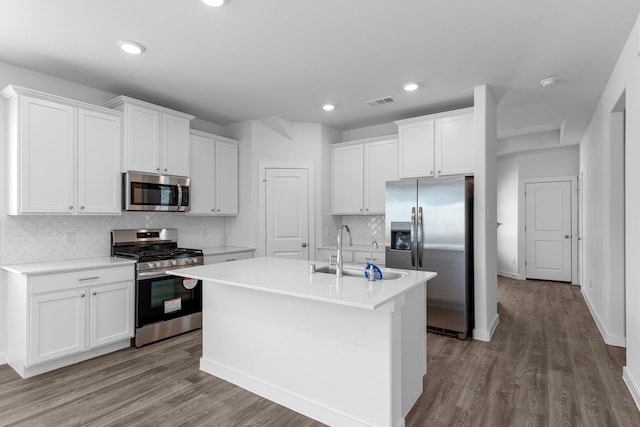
600,164
513,169
310,144
507,239
484,215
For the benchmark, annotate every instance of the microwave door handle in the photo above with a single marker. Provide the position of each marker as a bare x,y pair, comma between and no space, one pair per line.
179,197
413,237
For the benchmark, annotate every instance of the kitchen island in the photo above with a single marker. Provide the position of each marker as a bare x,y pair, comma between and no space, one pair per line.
344,351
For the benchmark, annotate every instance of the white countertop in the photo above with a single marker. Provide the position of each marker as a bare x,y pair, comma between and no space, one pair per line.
292,277
67,265
221,250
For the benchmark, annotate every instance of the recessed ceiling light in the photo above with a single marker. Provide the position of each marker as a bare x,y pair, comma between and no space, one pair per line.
548,81
411,86
133,48
214,3
328,107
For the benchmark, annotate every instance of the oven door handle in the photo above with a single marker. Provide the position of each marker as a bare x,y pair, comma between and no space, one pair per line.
153,274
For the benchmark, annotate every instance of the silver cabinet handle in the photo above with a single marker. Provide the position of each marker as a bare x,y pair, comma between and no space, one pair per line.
70,207
304,244
82,296
83,279
95,293
566,236
165,169
81,207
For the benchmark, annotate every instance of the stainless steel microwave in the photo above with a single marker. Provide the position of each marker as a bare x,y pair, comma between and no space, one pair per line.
147,192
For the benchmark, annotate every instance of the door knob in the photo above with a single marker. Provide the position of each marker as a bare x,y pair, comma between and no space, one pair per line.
566,236
304,245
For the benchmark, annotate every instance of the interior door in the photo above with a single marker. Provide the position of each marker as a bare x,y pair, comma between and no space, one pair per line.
287,213
548,230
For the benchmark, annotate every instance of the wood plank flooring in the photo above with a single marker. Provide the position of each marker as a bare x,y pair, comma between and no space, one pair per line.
546,366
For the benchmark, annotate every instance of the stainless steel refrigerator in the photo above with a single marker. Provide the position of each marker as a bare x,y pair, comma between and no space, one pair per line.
429,226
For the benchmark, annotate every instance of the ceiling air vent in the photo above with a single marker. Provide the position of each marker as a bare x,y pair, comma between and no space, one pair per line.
380,101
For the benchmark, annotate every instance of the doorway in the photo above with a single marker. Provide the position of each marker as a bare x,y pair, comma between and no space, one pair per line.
287,211
549,228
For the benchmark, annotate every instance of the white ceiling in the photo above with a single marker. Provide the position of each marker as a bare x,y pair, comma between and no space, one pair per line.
258,58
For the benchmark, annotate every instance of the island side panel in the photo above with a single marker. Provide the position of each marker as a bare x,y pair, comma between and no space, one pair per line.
414,344
334,363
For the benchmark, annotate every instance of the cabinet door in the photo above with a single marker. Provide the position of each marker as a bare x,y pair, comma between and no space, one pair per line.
47,157
111,313
348,172
57,325
415,149
202,173
175,145
142,139
226,171
380,166
455,146
99,179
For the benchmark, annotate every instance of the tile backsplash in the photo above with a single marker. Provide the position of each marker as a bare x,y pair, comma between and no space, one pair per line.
36,238
364,229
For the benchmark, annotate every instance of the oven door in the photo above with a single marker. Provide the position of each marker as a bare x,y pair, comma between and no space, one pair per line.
161,297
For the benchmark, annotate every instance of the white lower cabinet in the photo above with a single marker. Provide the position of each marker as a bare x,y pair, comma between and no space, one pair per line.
58,319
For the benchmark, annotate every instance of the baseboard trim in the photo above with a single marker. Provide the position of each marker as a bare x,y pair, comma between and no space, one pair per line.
632,385
511,275
283,397
486,335
610,339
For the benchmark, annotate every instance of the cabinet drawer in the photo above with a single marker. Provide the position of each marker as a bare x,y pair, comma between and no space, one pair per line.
79,279
215,259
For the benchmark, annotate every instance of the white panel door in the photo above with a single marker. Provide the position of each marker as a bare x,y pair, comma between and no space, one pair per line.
287,213
548,230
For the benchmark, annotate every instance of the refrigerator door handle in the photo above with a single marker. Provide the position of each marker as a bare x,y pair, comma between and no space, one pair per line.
420,237
413,237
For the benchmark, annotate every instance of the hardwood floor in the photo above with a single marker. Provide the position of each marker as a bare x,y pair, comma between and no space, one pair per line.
546,366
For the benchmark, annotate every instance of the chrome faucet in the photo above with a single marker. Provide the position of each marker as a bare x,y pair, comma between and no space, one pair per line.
339,259
374,243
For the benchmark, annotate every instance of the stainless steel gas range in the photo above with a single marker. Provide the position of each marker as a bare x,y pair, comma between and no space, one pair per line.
165,305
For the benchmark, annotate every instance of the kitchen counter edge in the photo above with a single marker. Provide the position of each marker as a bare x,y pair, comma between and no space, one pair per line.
62,266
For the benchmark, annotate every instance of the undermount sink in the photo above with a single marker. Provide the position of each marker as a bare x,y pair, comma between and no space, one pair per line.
358,272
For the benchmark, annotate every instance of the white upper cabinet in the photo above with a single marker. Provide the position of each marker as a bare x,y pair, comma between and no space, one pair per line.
437,145
214,175
63,155
360,171
156,139
99,146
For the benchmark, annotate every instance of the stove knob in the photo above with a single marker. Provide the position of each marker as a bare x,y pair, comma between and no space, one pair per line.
158,264
194,260
174,262
150,265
